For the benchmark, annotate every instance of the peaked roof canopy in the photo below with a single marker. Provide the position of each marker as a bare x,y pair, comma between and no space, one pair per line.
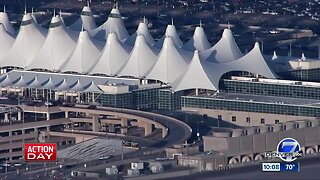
92,88
225,50
196,69
172,32
28,42
59,81
114,55
5,21
252,62
85,21
171,62
84,56
199,41
58,45
113,24
6,41
141,59
142,30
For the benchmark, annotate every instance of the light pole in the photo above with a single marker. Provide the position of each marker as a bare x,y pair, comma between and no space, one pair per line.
198,133
6,165
35,113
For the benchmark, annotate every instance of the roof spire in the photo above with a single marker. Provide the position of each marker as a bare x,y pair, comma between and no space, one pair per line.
200,23
117,6
229,26
144,19
171,21
60,13
303,57
82,28
88,3
4,8
54,12
25,9
32,10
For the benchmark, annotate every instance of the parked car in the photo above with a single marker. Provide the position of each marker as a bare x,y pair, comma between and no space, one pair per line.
92,106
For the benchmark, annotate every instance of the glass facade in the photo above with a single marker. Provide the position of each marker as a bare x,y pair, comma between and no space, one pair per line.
115,100
146,99
259,107
143,99
303,74
39,93
169,100
270,89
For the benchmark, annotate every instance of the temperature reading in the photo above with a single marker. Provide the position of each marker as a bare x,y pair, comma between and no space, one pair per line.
290,166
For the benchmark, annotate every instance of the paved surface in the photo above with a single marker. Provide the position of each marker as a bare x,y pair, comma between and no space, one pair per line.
92,149
309,169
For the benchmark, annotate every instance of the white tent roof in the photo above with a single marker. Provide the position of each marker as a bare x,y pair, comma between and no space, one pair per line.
252,62
58,45
8,80
225,50
63,86
208,74
84,56
196,75
113,24
59,81
170,31
114,56
85,21
199,41
35,83
48,84
92,88
6,41
142,30
29,40
78,87
21,82
5,21
171,62
141,59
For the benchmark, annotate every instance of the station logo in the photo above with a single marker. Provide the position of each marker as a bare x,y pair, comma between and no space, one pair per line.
288,150
40,152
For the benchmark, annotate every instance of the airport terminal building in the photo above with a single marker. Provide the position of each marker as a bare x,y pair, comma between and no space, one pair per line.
108,66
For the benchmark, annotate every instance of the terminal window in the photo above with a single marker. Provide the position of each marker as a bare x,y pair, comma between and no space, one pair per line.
234,119
248,119
263,121
276,121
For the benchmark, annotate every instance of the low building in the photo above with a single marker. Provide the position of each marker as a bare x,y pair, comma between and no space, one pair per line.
250,144
112,170
181,149
203,162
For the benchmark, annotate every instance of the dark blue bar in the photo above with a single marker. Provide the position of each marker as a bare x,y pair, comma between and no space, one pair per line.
290,167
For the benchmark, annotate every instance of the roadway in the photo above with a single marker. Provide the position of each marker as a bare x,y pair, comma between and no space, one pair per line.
178,132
